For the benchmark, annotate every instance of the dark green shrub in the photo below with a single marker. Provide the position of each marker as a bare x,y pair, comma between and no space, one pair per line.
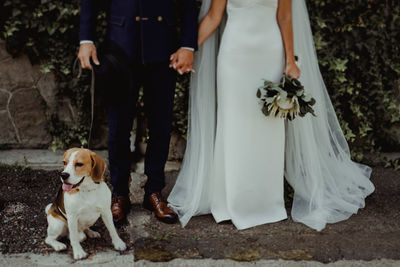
359,55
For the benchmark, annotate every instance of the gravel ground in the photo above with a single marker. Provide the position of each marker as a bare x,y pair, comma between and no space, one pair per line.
373,233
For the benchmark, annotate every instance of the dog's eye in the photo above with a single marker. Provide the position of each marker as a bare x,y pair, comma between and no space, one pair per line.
64,162
78,164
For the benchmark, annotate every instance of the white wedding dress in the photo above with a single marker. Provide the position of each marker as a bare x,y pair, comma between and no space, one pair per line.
249,148
236,158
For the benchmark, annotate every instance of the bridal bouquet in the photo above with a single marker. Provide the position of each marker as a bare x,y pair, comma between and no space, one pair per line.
285,99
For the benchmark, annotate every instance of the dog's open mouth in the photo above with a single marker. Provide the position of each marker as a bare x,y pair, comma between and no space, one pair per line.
68,187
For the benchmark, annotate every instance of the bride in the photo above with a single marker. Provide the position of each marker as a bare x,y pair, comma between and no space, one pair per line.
236,158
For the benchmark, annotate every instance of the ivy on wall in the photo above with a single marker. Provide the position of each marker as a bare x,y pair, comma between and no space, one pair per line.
356,41
359,54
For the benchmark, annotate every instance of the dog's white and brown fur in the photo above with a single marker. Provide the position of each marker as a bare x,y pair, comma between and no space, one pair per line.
83,198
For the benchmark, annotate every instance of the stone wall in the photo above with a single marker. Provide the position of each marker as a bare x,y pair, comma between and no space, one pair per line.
28,97
24,94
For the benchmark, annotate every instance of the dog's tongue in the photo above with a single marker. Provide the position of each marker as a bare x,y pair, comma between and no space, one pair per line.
67,187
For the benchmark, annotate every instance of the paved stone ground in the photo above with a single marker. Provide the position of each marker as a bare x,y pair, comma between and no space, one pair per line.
110,259
37,159
364,239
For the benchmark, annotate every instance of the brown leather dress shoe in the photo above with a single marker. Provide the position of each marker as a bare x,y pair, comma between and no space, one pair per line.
120,207
154,202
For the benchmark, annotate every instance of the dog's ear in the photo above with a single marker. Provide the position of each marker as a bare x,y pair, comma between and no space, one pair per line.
98,168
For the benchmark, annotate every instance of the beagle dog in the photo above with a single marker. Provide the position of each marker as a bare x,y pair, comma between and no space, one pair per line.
82,199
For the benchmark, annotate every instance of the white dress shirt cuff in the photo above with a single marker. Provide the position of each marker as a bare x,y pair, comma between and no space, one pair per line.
86,42
188,48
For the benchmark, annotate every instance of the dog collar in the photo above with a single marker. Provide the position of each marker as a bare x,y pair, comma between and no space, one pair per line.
62,213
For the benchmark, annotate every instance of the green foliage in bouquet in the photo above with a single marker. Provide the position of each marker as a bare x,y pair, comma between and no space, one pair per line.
286,99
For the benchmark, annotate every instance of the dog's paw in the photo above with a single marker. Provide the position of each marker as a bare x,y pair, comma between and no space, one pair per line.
92,234
79,253
59,246
56,245
119,245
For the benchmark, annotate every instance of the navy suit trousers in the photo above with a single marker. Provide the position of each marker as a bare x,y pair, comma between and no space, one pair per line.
158,82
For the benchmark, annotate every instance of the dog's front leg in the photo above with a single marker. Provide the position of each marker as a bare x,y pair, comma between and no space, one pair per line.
77,249
108,221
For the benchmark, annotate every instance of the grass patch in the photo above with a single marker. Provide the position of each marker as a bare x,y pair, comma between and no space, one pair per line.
155,254
296,254
245,255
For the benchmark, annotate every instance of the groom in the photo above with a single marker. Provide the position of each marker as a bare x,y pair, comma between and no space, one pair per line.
146,32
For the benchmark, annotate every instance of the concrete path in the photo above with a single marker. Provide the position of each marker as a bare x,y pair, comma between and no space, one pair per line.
110,258
37,158
113,259
50,160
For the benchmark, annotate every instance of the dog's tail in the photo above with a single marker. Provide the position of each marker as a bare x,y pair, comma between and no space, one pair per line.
48,208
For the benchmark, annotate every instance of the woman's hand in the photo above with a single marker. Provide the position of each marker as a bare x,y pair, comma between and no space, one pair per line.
182,61
292,70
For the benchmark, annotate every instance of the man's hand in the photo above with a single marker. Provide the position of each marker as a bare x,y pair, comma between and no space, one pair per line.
87,51
182,61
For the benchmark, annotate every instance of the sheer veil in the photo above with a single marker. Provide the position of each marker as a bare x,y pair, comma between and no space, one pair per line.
190,195
328,186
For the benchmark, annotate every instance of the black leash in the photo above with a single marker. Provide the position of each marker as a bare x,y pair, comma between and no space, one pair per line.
77,63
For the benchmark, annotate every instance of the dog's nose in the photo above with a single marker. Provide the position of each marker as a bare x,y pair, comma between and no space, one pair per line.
64,175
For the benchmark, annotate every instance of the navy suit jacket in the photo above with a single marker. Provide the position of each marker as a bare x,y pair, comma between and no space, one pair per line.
145,29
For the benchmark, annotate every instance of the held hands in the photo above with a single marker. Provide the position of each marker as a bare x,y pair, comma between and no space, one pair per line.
292,70
182,61
87,51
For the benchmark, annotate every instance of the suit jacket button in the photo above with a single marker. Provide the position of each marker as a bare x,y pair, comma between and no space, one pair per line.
160,18
138,18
